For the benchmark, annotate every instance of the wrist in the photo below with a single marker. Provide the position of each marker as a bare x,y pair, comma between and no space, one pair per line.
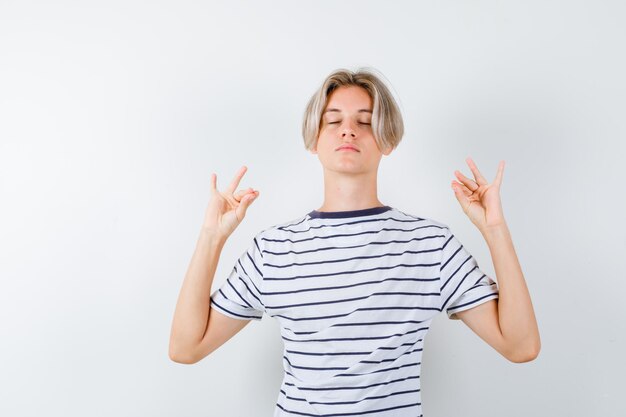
211,238
495,232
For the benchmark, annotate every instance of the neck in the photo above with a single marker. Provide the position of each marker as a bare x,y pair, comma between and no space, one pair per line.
349,192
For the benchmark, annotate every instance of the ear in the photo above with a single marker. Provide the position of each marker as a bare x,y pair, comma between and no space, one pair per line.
387,151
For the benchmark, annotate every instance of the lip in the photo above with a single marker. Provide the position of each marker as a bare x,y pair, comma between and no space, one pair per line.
347,148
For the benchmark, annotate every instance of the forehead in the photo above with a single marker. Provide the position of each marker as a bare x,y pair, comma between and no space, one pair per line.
350,99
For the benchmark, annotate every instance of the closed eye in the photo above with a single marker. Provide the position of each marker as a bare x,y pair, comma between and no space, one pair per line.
363,123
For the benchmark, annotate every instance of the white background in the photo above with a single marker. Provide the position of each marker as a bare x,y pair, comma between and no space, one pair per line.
114,114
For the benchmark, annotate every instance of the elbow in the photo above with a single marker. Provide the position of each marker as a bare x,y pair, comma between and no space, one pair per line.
181,356
525,355
186,360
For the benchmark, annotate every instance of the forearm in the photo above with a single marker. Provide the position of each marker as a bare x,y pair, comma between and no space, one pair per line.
515,311
193,306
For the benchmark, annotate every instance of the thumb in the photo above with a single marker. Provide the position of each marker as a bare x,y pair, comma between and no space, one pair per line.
245,203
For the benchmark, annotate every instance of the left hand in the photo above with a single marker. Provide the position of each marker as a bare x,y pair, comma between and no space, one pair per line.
479,199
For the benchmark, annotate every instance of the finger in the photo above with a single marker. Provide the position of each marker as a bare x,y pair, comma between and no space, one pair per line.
235,182
463,188
499,174
241,193
213,183
480,180
460,196
468,182
245,203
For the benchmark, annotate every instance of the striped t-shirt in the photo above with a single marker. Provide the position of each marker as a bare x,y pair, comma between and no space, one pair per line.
354,293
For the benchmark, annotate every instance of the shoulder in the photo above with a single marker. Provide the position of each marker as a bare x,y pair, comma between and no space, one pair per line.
432,230
423,221
282,230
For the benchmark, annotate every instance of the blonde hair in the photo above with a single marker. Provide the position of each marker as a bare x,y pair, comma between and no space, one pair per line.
387,124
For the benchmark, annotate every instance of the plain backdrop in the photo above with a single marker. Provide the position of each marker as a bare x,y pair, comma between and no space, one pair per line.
114,114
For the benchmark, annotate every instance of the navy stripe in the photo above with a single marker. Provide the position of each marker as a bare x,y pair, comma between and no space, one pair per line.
358,309
254,265
479,284
350,223
348,213
350,402
251,282
256,243
383,370
387,242
354,387
348,414
351,235
380,256
348,353
249,291
346,300
458,286
371,323
342,368
327,354
232,312
337,339
336,287
382,268
451,309
408,352
457,270
284,227
314,368
234,289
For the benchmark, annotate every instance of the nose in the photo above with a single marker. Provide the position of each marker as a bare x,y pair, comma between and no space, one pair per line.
347,130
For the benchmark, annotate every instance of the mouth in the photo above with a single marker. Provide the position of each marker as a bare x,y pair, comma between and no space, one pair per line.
347,148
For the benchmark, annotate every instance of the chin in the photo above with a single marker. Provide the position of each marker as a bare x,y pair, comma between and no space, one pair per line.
347,169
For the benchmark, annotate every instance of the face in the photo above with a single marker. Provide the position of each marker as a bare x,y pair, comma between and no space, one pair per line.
347,120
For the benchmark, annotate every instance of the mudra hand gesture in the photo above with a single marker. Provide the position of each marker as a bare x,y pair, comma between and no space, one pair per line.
227,209
480,200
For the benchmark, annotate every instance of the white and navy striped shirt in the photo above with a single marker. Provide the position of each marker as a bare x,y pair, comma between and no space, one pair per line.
354,293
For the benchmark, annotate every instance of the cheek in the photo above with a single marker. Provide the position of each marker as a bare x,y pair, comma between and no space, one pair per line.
324,140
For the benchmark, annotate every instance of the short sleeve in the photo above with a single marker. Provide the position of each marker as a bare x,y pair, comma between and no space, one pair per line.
240,296
463,284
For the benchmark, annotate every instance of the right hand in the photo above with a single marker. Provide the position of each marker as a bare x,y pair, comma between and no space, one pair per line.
227,209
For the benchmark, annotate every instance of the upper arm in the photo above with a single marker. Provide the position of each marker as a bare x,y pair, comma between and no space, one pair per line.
483,320
220,329
235,303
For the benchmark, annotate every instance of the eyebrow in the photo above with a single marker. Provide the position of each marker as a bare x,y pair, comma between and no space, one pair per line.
337,110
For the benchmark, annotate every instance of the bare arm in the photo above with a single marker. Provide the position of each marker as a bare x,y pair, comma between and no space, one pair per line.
196,329
191,316
508,324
